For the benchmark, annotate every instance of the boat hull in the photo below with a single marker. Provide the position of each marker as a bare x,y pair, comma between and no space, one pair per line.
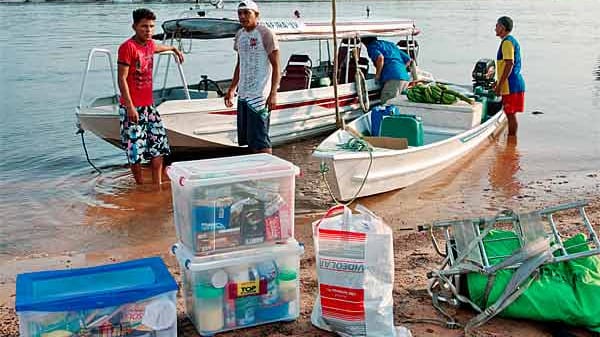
395,169
206,125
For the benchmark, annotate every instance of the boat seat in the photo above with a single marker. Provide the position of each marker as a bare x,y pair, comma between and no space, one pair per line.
403,126
297,74
363,65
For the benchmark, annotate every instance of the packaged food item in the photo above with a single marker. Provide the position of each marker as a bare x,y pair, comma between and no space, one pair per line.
253,222
133,298
245,287
211,214
215,191
273,312
267,271
252,294
225,204
272,219
208,242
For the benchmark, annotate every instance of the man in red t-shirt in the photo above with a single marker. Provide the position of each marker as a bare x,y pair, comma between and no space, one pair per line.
142,132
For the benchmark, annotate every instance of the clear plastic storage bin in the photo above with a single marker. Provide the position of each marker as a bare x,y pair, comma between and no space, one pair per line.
241,289
135,298
233,203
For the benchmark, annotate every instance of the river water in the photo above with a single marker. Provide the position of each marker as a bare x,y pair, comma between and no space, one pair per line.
53,203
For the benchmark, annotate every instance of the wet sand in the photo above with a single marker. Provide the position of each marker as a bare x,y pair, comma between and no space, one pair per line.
138,222
414,258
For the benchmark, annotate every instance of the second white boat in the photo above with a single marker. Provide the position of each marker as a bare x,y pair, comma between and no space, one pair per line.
448,133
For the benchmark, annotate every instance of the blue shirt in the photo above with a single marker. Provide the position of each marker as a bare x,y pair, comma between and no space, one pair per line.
510,50
394,60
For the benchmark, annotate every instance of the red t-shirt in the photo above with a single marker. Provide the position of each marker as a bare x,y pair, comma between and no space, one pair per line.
140,59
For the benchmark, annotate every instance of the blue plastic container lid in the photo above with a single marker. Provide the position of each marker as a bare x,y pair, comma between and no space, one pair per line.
95,287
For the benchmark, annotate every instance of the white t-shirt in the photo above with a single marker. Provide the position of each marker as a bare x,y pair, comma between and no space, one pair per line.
254,48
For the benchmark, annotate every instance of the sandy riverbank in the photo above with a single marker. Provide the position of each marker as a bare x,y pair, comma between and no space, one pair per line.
415,256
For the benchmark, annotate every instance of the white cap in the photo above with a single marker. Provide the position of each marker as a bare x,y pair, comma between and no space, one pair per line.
219,278
248,4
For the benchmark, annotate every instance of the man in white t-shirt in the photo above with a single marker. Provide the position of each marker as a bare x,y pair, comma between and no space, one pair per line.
256,76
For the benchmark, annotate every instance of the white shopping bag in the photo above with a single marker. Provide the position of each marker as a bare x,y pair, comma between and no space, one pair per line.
355,271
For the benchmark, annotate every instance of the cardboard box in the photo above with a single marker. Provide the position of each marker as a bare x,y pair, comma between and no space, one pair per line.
388,142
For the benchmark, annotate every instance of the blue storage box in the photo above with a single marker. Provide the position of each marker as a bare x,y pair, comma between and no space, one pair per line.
134,298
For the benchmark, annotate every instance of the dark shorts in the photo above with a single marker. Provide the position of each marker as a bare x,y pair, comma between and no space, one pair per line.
513,103
145,139
253,124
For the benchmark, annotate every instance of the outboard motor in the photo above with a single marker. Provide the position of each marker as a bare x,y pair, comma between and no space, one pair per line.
484,74
484,77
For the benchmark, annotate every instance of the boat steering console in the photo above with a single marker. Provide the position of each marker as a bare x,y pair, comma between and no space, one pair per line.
205,82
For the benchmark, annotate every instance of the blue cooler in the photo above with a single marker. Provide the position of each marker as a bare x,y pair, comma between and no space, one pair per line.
134,298
377,114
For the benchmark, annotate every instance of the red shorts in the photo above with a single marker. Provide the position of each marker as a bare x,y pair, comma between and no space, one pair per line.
513,103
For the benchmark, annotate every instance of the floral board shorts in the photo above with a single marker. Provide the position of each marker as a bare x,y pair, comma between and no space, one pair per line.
145,139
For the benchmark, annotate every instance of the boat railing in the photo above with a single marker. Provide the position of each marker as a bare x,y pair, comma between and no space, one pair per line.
179,69
100,51
88,67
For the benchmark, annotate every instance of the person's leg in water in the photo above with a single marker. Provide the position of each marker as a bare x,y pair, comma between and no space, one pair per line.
513,104
158,144
136,169
157,167
130,134
513,125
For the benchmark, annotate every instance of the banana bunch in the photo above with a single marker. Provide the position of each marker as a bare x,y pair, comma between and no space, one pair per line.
435,93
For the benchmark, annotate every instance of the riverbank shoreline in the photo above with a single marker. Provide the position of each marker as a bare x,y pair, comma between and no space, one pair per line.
414,257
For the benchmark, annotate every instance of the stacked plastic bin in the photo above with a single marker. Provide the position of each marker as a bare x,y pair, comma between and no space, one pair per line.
235,225
134,298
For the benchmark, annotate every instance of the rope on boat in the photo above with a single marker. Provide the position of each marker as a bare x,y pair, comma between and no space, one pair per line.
361,84
353,144
87,156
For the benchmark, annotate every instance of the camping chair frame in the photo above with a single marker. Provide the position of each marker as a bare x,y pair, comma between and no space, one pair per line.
538,235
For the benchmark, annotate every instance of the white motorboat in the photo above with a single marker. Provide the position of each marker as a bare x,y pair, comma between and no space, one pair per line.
196,117
448,132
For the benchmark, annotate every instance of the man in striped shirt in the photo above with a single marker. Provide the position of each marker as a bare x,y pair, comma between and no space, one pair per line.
256,76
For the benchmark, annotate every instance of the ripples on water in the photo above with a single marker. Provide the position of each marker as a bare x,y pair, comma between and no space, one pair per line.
52,201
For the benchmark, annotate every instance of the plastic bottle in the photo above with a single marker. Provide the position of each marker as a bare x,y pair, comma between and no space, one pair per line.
267,270
288,285
245,307
216,278
209,311
229,309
